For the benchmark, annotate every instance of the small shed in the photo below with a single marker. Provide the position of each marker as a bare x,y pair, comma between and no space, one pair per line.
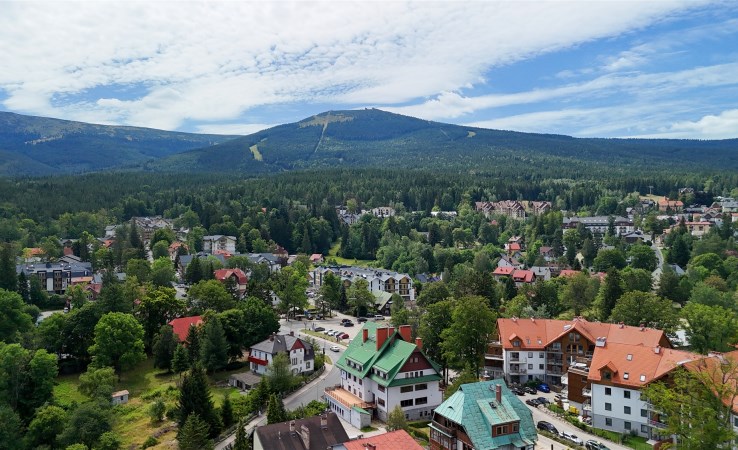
119,398
244,380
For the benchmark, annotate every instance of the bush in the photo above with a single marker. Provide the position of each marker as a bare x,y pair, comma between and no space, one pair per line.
149,442
157,411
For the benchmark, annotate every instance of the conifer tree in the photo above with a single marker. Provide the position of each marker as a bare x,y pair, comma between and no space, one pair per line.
8,277
195,398
193,344
214,347
164,347
194,434
242,442
23,287
193,273
181,359
226,412
610,292
275,411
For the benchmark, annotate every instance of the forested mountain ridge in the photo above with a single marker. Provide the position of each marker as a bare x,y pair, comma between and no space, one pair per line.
374,138
32,145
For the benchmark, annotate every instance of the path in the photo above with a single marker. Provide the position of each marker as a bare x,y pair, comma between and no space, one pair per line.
659,267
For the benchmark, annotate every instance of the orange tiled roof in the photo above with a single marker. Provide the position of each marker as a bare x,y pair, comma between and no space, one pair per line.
223,274
523,276
569,273
503,271
394,440
710,365
181,326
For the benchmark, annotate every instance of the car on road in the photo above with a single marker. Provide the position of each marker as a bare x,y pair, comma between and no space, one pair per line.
543,387
530,390
543,401
316,329
327,331
348,324
517,391
378,317
342,335
532,402
331,333
361,319
345,320
334,348
594,445
547,426
572,437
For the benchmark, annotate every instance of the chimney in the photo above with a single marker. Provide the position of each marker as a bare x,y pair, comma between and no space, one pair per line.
271,337
419,343
498,393
369,446
323,422
305,435
364,335
382,334
406,332
643,326
292,427
657,349
292,333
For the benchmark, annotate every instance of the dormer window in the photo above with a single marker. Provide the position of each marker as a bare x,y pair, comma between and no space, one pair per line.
643,377
629,357
626,375
516,343
607,375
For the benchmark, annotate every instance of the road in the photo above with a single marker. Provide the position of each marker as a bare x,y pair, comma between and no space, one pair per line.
659,267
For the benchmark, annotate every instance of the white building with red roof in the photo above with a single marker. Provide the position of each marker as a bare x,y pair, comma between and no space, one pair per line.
182,326
237,277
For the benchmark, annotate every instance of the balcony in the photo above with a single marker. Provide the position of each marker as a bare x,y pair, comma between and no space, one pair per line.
587,392
656,424
493,356
587,406
518,369
443,429
517,359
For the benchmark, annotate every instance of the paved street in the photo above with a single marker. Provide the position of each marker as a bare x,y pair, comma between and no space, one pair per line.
659,267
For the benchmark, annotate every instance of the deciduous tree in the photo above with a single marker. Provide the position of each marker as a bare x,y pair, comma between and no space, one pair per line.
465,341
118,342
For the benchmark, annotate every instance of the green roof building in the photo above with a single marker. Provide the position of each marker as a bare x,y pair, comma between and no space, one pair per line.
483,416
383,368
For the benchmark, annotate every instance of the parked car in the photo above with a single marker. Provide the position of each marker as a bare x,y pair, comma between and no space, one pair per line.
331,333
318,329
345,320
348,324
518,391
530,390
327,331
572,437
361,319
334,348
342,336
543,387
543,401
594,445
547,426
532,402
378,317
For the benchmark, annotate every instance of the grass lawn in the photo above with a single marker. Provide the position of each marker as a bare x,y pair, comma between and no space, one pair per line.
637,442
321,335
333,253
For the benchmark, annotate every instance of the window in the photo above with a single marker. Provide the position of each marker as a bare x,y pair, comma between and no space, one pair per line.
608,421
644,413
499,430
515,428
644,428
516,343
307,364
381,388
421,387
643,378
540,355
607,375
421,401
735,421
626,394
629,357
626,375
406,403
530,366
530,354
380,401
360,382
608,406
405,389
626,409
608,391
626,425
540,366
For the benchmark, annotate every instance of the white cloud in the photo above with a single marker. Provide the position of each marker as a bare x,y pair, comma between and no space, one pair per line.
721,126
242,129
213,61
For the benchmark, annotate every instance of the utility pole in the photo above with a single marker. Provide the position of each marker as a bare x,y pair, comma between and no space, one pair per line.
650,190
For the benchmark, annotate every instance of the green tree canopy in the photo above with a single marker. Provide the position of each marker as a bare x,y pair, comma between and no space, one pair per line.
637,308
97,383
214,348
210,295
13,318
118,342
710,328
465,341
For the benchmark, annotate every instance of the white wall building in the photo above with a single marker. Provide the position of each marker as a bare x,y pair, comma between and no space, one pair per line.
300,353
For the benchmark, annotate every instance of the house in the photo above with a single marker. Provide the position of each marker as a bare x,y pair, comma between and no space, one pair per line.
174,249
56,277
502,272
219,242
383,368
268,259
510,208
523,277
635,237
300,353
383,211
394,440
569,273
599,224
235,277
147,226
483,415
185,260
383,302
698,229
543,272
670,205
513,249
182,326
312,433
119,398
538,208
316,258
509,261
547,253
678,270
244,380
378,280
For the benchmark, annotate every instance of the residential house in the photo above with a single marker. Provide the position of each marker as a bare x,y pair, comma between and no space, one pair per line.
541,272
316,258
181,326
244,380
147,226
378,280
698,229
523,277
569,273
56,277
312,433
509,261
510,208
383,302
599,224
514,249
394,440
538,208
119,397
547,253
383,211
502,272
185,260
484,416
635,237
444,214
219,242
728,205
235,277
300,353
383,368
174,249
670,205
270,260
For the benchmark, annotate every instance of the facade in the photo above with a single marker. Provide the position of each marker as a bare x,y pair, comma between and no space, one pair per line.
119,398
235,276
510,208
382,368
147,226
483,416
312,433
219,242
378,280
670,205
599,224
300,353
56,277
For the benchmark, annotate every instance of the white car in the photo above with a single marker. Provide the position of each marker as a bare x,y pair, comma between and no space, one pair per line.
572,437
334,348
328,331
331,333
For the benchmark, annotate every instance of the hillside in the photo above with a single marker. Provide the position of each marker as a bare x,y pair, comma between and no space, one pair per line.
39,146
374,138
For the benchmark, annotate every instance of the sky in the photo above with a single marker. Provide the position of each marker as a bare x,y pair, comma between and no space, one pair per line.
626,68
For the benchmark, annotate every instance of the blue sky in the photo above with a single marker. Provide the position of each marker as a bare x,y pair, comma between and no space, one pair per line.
591,68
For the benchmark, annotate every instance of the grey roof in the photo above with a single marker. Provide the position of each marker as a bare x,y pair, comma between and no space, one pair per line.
596,220
283,343
248,378
184,260
77,269
278,436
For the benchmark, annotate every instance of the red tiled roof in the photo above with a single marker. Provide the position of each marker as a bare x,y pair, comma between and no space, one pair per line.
514,246
68,251
569,273
503,271
182,325
712,367
523,276
224,274
394,440
316,257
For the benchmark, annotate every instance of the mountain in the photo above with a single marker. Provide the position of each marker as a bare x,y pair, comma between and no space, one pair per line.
39,146
374,138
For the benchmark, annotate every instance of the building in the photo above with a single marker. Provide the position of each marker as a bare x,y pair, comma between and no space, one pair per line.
181,326
599,224
300,353
509,208
147,226
119,398
394,440
483,416
56,277
210,244
236,277
378,280
312,433
698,229
670,205
382,368
382,211
244,380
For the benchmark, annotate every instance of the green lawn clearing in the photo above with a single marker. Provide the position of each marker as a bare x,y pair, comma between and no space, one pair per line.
333,254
